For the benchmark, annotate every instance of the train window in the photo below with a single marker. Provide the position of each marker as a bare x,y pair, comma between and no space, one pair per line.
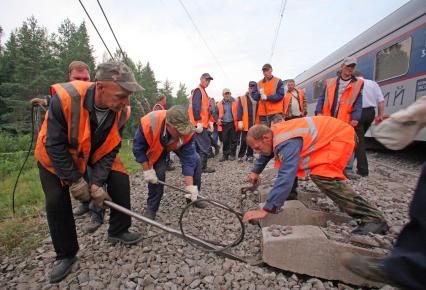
393,61
318,89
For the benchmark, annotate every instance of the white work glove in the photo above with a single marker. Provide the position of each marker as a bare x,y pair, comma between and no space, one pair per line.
199,128
150,176
263,97
211,128
240,125
193,189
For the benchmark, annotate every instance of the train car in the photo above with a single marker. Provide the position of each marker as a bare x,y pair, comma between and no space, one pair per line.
392,52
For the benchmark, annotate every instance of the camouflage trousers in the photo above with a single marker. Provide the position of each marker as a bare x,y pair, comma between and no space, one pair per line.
347,199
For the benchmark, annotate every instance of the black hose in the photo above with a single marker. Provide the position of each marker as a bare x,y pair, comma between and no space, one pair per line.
25,161
223,247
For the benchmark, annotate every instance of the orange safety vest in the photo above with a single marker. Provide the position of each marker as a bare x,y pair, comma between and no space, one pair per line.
152,130
270,88
72,96
245,119
234,113
328,144
205,109
347,100
287,99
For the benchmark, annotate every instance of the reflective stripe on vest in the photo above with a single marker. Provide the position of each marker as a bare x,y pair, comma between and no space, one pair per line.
348,98
204,110
270,88
152,130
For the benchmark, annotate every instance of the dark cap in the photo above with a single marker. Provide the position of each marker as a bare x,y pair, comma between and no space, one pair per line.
119,73
266,66
177,116
252,84
206,76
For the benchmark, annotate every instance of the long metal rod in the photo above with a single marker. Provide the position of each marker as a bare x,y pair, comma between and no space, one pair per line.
171,230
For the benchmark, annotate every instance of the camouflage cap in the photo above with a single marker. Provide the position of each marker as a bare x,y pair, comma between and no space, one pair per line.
119,73
177,116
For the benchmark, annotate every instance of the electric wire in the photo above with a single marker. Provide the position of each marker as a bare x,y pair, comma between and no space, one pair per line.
116,40
277,30
203,39
84,8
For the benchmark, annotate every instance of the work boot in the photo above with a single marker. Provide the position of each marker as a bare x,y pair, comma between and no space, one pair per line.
379,227
81,210
204,165
352,176
216,150
224,158
149,213
240,160
61,269
232,158
370,268
170,167
126,238
95,223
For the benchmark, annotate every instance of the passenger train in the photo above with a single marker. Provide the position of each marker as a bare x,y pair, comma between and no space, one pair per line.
392,52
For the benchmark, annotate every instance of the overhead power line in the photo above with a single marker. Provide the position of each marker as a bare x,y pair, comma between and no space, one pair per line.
277,30
84,8
203,39
116,40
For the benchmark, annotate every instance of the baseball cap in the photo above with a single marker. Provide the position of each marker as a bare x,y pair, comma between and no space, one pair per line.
226,90
349,60
266,66
252,84
177,116
206,76
119,73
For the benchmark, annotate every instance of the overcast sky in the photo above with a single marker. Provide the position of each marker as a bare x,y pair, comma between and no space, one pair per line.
240,33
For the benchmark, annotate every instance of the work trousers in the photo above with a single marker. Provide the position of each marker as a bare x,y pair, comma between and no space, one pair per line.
367,117
202,142
270,120
406,263
229,139
347,199
59,211
156,191
244,148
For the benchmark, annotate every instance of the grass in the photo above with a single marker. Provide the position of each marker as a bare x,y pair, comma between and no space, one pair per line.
22,233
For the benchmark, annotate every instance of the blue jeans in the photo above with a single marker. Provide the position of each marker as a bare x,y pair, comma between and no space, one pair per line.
155,191
350,164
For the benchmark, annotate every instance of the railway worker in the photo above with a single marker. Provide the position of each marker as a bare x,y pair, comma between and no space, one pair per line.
214,116
199,114
405,266
246,115
372,97
295,105
342,99
161,105
160,132
269,97
76,135
318,147
228,121
80,71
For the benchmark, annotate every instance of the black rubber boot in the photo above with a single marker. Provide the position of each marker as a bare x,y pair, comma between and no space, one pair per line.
204,165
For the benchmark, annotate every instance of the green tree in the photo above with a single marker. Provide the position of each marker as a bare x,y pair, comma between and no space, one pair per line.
167,90
182,95
149,83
